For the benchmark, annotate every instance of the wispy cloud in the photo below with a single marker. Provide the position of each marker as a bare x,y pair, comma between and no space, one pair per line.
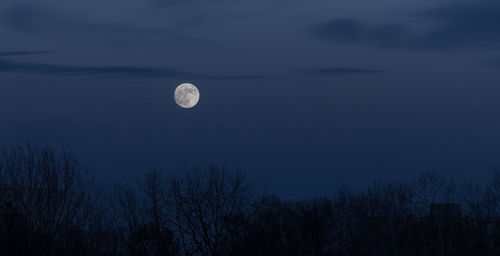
31,19
454,25
20,53
339,71
9,66
237,77
35,20
351,31
494,63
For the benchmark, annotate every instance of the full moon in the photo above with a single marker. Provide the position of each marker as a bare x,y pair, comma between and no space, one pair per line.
186,95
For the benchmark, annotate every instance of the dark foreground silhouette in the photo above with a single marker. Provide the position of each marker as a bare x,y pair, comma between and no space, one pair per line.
50,205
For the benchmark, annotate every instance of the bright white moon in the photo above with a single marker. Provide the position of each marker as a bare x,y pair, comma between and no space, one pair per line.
186,95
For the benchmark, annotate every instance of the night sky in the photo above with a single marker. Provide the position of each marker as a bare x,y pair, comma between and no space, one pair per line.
305,96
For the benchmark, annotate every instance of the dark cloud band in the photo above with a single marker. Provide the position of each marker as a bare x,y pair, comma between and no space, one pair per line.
8,66
20,53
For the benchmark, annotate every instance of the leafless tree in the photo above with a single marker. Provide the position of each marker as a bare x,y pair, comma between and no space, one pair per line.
208,206
141,217
431,188
50,205
53,194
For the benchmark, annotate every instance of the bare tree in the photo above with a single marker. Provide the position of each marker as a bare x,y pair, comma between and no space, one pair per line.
141,217
53,195
431,188
50,205
208,206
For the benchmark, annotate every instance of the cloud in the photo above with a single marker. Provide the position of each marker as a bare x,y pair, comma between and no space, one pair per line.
36,20
20,53
8,66
494,63
471,24
170,2
351,31
339,71
31,19
463,24
237,77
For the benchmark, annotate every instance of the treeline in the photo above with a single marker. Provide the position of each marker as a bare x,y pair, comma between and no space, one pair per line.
50,205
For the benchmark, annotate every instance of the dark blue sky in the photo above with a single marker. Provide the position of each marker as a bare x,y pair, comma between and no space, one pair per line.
303,95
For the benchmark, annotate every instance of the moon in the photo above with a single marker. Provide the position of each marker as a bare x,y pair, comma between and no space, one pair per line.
186,95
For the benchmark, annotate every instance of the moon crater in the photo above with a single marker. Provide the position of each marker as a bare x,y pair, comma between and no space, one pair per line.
186,95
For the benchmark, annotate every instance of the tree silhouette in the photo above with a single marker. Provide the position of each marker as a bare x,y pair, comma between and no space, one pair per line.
141,217
208,209
50,198
50,205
